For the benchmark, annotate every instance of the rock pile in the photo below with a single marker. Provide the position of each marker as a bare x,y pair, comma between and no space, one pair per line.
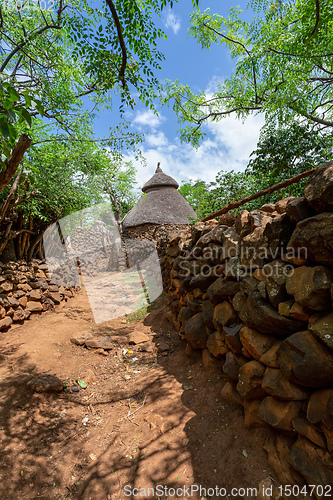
26,289
254,293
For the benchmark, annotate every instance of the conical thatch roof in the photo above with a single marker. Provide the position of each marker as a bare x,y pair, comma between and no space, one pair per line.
163,204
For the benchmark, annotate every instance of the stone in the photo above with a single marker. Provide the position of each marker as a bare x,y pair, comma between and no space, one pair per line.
146,347
5,323
270,357
278,271
227,220
6,286
278,447
321,325
2,312
230,242
268,207
328,433
306,361
216,345
102,342
210,362
13,302
224,315
302,313
229,394
232,339
258,218
251,411
249,284
281,205
311,287
172,251
208,313
214,235
239,301
279,414
298,209
202,280
24,287
221,289
319,188
306,458
34,307
19,315
35,295
137,337
303,427
318,408
256,343
55,297
195,332
276,293
185,314
234,269
242,221
285,307
253,249
277,234
263,317
231,366
81,337
250,380
277,385
262,290
259,274
45,383
313,239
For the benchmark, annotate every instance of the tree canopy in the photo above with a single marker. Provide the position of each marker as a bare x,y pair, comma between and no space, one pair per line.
283,66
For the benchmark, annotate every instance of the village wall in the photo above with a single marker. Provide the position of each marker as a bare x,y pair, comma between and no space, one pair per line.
254,294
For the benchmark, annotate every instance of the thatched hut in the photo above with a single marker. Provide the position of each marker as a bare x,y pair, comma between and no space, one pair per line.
162,204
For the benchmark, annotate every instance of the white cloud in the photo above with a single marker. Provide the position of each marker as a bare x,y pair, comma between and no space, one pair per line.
148,118
172,21
227,147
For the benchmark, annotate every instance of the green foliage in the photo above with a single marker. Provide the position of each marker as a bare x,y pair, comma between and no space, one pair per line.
281,153
50,58
283,66
196,194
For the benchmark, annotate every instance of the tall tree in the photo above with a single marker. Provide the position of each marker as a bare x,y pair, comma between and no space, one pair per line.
54,54
283,66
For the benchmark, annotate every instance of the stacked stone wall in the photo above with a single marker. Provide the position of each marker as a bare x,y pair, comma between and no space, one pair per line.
26,289
254,293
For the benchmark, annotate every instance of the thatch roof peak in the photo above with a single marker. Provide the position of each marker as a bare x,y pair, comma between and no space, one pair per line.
163,204
160,179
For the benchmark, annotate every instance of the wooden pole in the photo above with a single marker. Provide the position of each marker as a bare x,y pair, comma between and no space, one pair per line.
269,190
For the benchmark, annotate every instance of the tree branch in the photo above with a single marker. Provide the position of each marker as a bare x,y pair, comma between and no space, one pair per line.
317,18
121,41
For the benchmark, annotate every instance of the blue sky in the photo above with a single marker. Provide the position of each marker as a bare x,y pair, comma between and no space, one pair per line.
227,144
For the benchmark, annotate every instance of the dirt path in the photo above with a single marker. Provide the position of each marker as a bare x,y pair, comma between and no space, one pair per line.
154,420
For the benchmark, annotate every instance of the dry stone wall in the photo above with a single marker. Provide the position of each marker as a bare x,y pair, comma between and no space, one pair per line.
254,293
27,289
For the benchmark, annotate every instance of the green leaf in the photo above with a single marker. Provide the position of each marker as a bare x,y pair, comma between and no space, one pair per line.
82,384
26,115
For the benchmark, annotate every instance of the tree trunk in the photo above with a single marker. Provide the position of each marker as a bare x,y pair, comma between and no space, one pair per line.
14,160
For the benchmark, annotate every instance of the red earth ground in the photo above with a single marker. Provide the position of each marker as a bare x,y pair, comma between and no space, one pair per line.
155,420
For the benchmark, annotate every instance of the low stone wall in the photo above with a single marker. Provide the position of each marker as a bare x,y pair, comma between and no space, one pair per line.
26,289
254,293
153,232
